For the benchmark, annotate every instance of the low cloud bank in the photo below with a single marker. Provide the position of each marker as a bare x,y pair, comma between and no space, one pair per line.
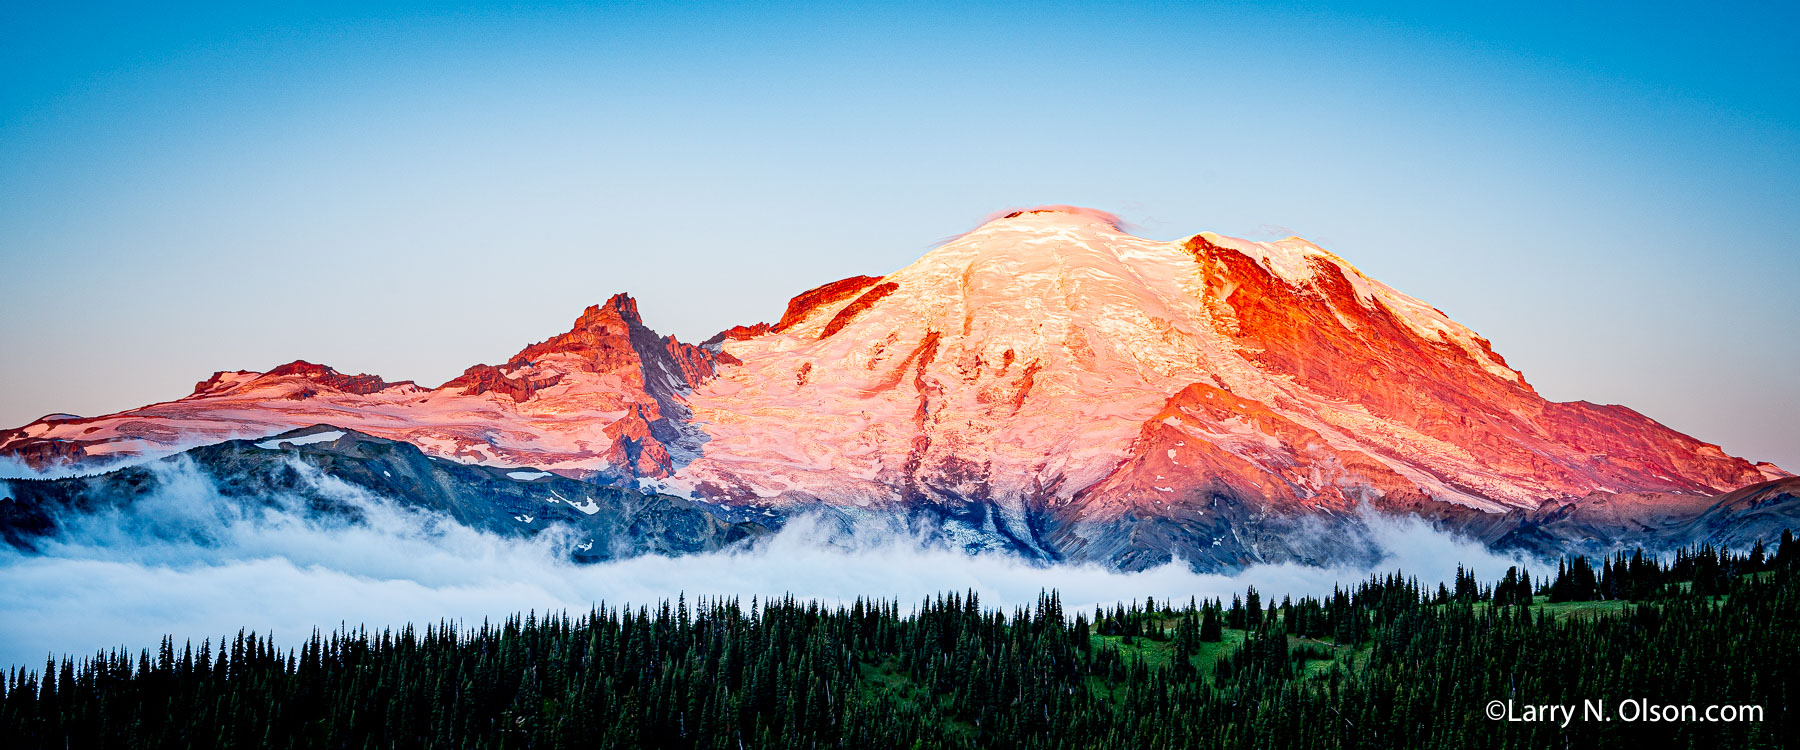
190,563
13,468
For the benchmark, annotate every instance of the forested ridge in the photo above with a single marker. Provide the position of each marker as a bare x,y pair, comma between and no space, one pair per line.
1387,663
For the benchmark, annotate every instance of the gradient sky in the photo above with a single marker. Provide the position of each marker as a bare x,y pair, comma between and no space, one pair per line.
1608,194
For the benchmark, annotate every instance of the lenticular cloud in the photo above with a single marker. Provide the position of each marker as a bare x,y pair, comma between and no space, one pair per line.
192,564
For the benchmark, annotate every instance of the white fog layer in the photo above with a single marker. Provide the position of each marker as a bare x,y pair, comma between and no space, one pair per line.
191,564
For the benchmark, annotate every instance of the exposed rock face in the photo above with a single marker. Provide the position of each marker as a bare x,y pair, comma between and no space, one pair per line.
1347,339
357,384
829,294
479,379
361,385
735,333
862,302
1046,382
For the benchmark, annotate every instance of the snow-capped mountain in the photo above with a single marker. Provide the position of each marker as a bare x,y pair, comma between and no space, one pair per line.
1048,378
605,399
1048,356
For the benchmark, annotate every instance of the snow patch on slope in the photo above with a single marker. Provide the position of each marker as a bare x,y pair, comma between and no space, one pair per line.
317,437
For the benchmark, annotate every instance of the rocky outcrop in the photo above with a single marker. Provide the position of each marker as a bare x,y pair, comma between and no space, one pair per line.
360,384
697,365
735,333
604,338
862,302
479,379
817,297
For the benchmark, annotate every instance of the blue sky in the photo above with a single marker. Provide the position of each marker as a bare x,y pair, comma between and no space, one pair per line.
1607,193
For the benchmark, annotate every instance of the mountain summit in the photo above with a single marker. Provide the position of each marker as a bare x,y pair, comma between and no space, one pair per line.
1042,377
1048,354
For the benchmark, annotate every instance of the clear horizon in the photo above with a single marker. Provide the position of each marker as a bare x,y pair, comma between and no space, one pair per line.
407,192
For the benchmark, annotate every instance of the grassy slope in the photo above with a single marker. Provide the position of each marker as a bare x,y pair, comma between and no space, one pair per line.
885,681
